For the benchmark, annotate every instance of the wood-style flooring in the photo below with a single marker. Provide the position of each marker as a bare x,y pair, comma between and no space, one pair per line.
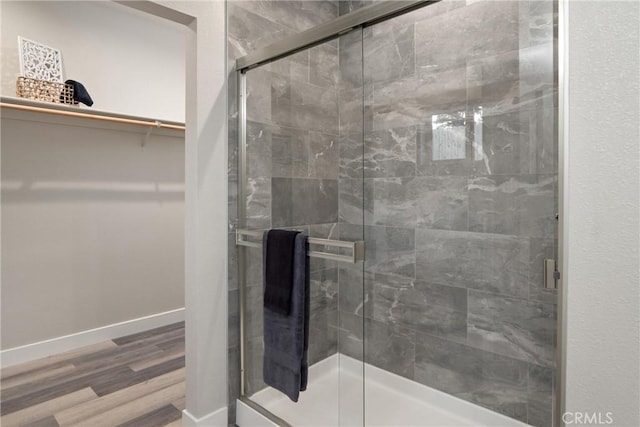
137,380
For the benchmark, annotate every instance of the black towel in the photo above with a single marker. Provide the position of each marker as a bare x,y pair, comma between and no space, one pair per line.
80,94
279,270
286,338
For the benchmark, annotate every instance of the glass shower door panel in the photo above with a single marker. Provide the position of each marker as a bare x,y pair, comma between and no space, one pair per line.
298,114
459,193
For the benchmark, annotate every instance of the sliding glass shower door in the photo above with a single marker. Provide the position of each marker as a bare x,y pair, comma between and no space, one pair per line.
303,114
432,138
459,213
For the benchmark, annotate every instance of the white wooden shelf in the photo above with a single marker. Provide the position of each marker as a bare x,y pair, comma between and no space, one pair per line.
60,110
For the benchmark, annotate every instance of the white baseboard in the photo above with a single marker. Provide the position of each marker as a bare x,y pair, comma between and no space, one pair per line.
217,418
26,353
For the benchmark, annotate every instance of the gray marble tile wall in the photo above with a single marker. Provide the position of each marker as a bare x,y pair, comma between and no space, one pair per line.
455,192
292,153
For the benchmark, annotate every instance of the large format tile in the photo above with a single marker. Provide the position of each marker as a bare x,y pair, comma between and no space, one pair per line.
355,295
350,335
479,29
348,6
352,156
279,100
428,12
301,15
289,152
388,249
293,67
421,306
394,202
253,264
521,205
490,380
323,231
249,31
387,153
313,107
506,143
323,156
258,197
304,201
253,366
540,396
489,262
258,149
350,60
254,313
355,201
388,51
514,327
323,320
441,202
414,100
389,347
543,133
494,79
324,69
259,95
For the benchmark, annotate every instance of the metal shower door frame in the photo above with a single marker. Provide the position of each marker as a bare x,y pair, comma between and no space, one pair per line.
361,18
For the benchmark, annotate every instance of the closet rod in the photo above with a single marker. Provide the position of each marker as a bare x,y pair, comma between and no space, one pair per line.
155,124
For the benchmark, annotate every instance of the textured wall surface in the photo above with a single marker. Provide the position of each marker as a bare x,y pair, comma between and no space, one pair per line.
603,178
431,136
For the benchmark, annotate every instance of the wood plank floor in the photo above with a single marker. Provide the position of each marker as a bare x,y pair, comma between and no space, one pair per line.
137,380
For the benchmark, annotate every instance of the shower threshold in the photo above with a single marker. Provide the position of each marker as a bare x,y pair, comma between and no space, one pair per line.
334,398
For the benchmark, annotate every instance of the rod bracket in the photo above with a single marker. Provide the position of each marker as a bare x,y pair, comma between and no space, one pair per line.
147,135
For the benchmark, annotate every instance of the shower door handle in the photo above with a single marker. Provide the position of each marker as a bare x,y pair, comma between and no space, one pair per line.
551,274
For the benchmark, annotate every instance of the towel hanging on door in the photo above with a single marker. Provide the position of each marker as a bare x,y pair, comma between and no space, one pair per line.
286,336
279,260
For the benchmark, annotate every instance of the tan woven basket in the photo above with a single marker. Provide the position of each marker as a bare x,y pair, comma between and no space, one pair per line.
42,90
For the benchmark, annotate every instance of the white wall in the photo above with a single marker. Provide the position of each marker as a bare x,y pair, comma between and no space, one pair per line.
602,281
92,227
206,207
130,62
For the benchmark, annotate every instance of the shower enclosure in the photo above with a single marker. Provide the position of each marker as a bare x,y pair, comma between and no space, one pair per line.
428,131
